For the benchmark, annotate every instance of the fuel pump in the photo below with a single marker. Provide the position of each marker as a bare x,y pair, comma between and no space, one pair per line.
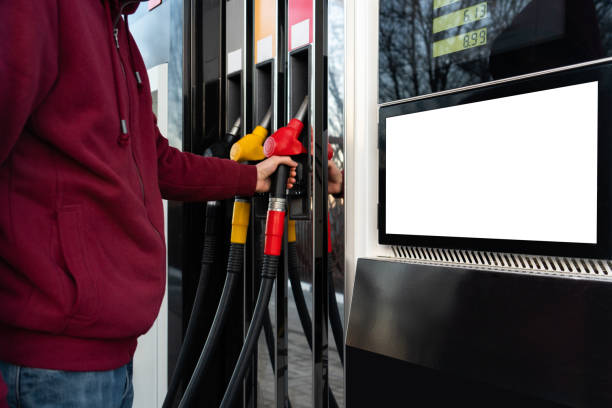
284,142
249,148
188,348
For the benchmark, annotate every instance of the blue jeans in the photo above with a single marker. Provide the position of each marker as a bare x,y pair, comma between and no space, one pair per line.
40,388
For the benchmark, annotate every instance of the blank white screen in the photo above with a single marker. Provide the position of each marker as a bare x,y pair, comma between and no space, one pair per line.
522,168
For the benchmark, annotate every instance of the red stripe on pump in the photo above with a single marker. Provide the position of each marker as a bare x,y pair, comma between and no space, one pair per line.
275,224
300,11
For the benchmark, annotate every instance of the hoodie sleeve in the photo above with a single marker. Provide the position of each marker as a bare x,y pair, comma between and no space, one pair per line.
28,63
189,177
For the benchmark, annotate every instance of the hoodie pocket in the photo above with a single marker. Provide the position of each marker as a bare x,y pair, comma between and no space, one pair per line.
83,277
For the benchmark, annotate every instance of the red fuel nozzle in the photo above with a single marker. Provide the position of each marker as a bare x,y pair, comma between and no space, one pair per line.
284,142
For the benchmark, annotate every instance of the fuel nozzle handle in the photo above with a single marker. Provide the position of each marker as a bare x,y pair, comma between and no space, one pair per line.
284,142
250,147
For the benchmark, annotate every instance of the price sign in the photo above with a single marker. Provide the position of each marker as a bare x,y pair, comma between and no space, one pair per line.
460,42
447,23
460,17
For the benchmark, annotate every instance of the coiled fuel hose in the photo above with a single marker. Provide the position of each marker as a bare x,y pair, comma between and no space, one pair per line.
188,351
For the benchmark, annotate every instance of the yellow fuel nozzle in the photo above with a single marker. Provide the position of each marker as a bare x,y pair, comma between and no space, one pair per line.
250,147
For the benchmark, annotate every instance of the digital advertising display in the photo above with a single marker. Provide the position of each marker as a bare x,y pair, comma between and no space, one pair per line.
495,169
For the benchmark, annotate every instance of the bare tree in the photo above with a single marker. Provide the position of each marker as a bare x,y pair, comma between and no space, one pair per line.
335,77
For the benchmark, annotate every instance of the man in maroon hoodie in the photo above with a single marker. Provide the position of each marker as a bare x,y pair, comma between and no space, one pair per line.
83,169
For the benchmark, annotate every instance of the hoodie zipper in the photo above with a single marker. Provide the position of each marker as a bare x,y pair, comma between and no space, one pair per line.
129,119
140,181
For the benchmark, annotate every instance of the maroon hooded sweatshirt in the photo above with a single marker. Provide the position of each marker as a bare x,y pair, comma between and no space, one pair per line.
83,169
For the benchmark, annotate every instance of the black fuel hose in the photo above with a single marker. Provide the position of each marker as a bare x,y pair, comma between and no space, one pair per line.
261,307
269,337
234,273
188,350
189,347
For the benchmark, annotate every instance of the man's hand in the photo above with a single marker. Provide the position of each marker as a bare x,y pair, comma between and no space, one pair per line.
267,167
334,178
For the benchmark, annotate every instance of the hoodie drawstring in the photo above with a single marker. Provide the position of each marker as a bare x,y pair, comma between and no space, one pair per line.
130,41
114,41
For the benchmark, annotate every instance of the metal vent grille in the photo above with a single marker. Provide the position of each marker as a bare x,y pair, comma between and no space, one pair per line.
515,262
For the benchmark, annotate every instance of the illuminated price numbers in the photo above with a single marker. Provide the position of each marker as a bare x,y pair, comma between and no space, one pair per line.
475,38
460,17
475,13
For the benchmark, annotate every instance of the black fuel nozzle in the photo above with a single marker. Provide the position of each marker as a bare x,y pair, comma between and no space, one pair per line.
222,148
232,135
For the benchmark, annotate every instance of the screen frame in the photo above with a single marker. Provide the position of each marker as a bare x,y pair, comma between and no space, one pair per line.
602,73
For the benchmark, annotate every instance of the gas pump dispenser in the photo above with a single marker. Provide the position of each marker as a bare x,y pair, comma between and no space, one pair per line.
272,71
282,143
